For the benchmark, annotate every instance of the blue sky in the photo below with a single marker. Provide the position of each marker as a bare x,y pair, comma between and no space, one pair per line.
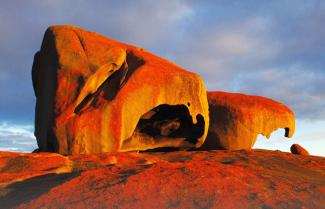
269,48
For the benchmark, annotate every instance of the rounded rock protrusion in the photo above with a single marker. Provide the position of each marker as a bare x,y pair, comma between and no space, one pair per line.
298,150
237,119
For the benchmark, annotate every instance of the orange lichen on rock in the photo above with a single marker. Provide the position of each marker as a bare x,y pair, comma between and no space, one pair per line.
95,95
298,150
237,119
197,179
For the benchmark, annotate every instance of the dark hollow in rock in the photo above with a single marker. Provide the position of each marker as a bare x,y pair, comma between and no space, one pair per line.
172,121
168,122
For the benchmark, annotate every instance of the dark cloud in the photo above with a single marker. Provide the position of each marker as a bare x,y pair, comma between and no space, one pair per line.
274,49
269,48
301,89
23,23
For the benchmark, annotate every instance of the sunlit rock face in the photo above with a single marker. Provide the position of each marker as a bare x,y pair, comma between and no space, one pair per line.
237,119
95,94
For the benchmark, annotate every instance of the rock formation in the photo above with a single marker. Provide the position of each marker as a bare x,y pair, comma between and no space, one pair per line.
200,179
237,119
95,95
298,150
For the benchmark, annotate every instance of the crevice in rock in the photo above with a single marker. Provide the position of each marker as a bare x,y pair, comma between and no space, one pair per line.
133,63
81,42
111,86
162,149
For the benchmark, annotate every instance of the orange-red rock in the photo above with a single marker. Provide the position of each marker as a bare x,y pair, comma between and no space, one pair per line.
298,150
237,119
95,95
198,179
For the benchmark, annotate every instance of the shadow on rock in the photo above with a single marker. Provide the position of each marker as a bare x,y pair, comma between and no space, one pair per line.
32,188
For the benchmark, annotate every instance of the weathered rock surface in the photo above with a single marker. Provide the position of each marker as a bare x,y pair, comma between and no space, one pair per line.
198,179
298,150
95,95
237,119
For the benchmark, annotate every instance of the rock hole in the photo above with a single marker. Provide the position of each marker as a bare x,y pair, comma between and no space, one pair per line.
165,128
171,121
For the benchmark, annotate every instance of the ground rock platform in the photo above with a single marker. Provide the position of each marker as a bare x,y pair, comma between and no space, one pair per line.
182,179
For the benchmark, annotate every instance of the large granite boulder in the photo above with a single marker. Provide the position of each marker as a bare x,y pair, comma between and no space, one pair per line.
237,119
95,94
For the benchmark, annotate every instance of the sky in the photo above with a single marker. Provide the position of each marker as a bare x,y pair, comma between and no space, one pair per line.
274,49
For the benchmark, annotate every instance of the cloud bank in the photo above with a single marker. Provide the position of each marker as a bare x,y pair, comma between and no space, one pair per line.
17,138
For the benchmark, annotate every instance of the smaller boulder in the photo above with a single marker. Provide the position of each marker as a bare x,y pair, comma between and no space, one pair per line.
298,150
237,119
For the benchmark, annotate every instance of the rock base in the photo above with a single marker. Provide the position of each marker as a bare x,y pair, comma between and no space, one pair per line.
198,179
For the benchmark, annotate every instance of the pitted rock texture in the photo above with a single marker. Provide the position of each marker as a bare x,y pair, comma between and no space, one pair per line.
298,150
197,179
237,119
96,95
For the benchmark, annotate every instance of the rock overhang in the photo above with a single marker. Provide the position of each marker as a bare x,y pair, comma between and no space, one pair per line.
237,119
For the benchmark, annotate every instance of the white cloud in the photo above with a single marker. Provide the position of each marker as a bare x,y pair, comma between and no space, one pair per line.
234,44
247,37
233,47
17,138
